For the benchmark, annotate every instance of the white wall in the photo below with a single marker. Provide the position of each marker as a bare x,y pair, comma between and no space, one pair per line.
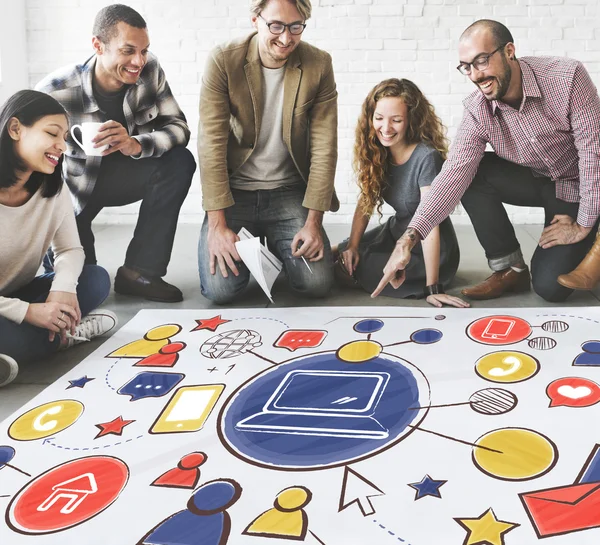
369,40
14,73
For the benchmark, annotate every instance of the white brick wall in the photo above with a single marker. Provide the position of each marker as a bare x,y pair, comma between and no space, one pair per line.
369,40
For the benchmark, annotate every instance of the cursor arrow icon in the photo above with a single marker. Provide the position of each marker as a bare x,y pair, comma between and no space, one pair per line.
356,489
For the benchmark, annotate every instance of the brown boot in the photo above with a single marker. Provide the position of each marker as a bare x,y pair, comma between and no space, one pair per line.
500,282
587,273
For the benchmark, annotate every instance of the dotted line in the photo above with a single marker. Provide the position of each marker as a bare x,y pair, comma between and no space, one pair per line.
259,318
108,373
83,449
570,316
390,532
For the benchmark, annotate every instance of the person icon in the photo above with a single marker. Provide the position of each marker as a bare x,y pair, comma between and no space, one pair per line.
185,475
167,356
590,357
204,522
287,519
154,339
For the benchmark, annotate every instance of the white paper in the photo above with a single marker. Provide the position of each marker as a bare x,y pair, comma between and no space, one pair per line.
261,263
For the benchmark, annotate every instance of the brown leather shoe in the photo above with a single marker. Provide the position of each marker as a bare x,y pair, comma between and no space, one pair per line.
587,273
500,282
153,288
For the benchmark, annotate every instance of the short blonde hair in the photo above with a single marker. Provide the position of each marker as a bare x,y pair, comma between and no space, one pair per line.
304,7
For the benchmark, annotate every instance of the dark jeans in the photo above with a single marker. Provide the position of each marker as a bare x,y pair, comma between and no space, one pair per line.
499,181
161,184
25,342
278,215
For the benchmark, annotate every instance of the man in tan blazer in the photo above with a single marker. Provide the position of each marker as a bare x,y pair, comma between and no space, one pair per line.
267,146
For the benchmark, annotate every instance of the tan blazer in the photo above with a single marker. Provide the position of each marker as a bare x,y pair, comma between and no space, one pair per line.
231,106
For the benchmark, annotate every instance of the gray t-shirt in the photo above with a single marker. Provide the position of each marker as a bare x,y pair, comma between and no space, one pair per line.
270,165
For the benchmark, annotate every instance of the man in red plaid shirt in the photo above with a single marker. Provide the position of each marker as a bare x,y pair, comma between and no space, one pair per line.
541,116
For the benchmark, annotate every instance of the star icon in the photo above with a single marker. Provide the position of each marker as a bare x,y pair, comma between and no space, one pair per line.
486,529
79,383
211,324
114,426
427,487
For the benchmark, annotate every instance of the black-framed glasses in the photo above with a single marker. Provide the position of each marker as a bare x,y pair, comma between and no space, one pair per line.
479,63
279,28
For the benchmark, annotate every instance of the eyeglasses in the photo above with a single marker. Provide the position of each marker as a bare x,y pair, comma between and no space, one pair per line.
279,28
479,63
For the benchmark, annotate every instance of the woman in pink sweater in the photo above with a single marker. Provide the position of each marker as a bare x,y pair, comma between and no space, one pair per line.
41,314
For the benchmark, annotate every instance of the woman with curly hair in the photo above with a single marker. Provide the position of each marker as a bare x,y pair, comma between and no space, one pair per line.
399,149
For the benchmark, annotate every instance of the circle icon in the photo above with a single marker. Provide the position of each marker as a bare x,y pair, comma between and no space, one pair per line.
6,455
162,332
555,326
319,411
514,454
46,420
368,326
426,336
507,367
67,495
359,351
541,343
499,330
492,401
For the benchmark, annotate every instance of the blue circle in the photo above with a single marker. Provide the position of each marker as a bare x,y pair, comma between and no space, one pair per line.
6,455
214,496
591,346
368,326
426,336
317,411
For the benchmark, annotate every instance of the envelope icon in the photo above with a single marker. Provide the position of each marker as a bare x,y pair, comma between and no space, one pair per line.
563,509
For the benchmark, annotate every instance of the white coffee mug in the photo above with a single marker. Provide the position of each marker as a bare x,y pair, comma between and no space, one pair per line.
88,132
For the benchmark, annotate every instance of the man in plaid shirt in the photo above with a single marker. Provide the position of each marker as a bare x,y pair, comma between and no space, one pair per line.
541,116
123,86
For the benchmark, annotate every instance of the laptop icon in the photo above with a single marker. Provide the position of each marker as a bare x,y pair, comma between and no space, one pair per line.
323,403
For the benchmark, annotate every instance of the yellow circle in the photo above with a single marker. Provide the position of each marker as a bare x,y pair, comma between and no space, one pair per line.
162,332
46,420
522,454
359,351
507,366
292,498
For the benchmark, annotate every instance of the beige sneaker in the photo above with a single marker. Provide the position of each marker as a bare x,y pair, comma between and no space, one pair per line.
96,323
9,369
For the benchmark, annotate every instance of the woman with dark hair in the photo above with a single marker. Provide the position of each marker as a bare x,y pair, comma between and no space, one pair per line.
399,149
41,314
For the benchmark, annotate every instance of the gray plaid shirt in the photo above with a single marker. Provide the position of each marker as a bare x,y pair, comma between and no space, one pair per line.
153,117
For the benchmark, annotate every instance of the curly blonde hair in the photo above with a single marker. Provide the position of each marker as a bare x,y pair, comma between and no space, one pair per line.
371,158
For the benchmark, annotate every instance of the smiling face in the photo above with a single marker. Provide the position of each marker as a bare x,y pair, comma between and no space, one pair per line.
493,81
121,60
390,121
40,146
275,50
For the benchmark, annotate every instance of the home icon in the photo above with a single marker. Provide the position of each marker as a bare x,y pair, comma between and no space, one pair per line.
74,491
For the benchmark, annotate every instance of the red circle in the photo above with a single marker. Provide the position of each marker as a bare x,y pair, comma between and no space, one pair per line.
499,330
172,348
67,495
193,460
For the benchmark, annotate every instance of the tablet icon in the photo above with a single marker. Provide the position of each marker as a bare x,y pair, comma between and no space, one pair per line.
188,409
498,329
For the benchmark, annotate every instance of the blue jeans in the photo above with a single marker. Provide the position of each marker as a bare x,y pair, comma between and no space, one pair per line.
25,342
278,215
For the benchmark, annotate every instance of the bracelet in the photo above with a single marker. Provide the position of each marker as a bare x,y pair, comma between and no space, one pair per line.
434,289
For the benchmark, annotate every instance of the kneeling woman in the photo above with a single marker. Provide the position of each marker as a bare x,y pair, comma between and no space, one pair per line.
399,149
41,314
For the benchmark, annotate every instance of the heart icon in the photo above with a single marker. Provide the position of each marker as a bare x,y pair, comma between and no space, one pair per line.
574,393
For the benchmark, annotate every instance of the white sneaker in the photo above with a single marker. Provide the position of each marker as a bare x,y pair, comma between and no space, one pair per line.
8,370
96,323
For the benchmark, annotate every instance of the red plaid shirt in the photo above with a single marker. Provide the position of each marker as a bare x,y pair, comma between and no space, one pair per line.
555,132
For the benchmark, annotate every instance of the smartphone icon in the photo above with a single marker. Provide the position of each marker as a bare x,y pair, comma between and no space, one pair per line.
188,409
498,329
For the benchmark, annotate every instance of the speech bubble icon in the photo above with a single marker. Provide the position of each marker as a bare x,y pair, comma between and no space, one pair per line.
573,392
292,339
150,384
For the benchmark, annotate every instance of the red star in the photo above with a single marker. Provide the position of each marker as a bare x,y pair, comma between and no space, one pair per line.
211,324
115,427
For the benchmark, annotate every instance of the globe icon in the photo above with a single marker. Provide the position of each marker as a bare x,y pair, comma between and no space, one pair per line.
230,344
